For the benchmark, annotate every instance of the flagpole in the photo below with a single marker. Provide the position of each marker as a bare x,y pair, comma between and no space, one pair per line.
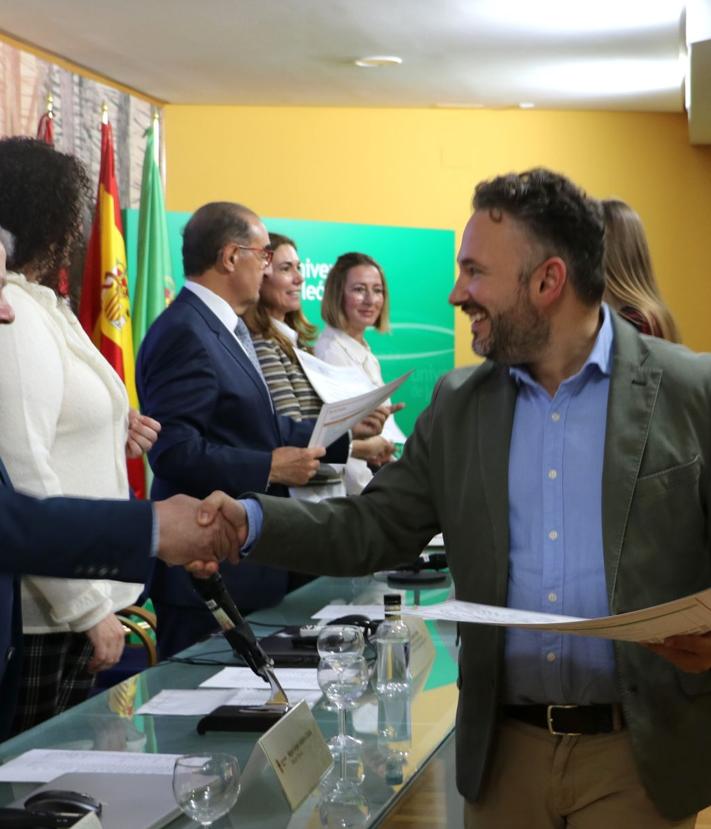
156,137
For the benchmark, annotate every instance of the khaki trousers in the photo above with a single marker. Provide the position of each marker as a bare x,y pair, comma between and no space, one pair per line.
538,781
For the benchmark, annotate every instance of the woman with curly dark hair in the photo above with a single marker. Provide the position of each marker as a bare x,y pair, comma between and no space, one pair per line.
65,423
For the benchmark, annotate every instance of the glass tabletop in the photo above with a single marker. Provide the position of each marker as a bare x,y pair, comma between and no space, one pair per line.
398,735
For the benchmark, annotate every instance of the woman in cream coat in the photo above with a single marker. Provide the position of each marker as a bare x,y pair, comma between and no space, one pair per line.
65,425
355,298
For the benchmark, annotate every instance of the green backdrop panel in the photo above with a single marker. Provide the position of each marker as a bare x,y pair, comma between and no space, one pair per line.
418,264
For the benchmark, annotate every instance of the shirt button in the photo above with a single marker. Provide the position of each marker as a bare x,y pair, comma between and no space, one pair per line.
552,474
552,597
553,535
550,656
555,417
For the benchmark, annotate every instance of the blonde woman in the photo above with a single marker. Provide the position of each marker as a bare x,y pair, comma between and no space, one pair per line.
355,298
631,288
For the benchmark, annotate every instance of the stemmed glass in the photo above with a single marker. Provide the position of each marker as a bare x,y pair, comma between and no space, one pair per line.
343,683
340,643
343,806
206,786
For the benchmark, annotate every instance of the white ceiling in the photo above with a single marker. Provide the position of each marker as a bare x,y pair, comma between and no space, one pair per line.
599,54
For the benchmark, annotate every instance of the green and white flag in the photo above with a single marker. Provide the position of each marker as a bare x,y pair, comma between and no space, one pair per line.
154,289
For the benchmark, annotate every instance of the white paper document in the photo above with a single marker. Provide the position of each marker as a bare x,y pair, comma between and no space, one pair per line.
291,679
44,764
691,614
337,383
201,701
333,383
336,418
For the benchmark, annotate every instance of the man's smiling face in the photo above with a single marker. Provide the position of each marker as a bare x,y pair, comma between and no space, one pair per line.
493,289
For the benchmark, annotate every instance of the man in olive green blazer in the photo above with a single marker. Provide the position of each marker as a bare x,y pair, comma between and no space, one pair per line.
517,287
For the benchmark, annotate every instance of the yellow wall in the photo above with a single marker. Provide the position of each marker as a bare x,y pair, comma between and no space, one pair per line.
418,167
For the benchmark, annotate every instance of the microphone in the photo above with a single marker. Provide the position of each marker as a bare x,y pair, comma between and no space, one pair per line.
235,629
244,644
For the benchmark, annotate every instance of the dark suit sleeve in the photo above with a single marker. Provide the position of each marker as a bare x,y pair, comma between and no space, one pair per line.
68,537
178,385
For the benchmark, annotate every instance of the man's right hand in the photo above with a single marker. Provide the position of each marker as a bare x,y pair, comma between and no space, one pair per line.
185,537
294,466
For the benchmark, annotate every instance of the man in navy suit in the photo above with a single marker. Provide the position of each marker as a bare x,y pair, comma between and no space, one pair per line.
198,375
67,537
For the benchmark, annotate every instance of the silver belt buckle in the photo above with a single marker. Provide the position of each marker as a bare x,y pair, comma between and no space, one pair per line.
549,721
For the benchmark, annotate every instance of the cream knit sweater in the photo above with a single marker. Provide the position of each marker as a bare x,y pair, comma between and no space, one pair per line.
63,427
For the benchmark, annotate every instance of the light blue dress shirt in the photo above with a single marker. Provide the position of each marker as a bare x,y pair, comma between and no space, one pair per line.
555,526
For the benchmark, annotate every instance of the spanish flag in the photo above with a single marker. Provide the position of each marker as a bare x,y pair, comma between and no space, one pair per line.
104,309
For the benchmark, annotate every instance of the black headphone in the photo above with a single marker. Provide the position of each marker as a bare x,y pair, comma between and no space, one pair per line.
50,809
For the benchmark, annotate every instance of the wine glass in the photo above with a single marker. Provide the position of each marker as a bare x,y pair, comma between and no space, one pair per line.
342,684
343,806
340,643
206,786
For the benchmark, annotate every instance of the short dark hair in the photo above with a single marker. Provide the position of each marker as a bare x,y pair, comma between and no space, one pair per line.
209,229
560,216
43,194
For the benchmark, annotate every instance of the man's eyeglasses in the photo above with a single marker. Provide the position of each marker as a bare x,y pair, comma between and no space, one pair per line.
265,254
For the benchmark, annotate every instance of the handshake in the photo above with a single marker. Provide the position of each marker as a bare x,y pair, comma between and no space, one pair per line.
200,534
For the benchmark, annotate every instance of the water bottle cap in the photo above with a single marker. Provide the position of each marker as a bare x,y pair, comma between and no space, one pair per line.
392,600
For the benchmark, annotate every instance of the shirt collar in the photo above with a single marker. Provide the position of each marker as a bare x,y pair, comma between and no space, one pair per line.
286,330
357,349
219,307
600,356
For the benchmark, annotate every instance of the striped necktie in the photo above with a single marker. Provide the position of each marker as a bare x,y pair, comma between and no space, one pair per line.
242,334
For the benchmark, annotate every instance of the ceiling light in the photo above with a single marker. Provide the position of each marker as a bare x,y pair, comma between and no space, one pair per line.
376,61
526,105
564,16
593,78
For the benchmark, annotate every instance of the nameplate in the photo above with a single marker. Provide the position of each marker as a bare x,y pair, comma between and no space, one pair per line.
296,750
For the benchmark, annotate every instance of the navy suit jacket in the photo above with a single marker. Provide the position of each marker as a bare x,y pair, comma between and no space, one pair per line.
218,431
61,537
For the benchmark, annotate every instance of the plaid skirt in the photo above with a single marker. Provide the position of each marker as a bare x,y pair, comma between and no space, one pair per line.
54,676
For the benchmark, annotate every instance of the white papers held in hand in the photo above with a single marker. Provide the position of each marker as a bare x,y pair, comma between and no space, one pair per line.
337,384
688,615
335,419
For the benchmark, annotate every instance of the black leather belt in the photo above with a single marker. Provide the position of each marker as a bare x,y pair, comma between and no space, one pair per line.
570,720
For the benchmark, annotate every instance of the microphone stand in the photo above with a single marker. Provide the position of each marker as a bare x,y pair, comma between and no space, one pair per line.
244,644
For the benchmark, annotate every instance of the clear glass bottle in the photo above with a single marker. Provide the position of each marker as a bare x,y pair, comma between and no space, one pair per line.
394,734
393,648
